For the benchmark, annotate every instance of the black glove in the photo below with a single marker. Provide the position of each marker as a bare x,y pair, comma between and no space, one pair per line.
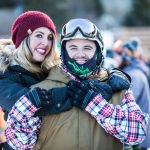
101,88
81,93
49,101
119,80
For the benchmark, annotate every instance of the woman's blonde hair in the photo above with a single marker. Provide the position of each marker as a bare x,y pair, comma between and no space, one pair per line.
23,57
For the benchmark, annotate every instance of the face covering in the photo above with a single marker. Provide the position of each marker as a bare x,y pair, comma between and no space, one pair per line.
81,70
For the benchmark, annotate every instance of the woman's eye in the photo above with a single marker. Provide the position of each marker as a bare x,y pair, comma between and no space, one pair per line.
39,35
50,38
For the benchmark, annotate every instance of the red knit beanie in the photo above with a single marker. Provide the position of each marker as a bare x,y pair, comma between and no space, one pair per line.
30,20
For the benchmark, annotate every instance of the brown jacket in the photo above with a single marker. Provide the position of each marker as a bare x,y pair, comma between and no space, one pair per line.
74,129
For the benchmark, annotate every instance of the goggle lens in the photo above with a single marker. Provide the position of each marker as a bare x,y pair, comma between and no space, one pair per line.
86,27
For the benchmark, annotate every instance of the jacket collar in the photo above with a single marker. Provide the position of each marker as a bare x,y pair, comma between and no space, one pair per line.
57,74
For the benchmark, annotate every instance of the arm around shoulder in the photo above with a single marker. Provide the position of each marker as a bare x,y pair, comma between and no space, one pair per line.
126,121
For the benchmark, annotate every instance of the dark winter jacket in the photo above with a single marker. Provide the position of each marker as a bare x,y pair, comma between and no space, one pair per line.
74,129
14,83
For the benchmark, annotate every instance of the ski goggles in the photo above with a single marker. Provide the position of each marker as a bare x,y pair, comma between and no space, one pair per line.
84,26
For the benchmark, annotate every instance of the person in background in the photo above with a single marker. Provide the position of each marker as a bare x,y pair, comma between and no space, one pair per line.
128,56
93,121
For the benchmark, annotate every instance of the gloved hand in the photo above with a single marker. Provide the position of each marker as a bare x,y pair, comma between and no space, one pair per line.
119,80
49,101
102,88
40,97
81,93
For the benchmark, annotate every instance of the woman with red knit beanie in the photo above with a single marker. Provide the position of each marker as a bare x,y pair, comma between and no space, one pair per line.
27,61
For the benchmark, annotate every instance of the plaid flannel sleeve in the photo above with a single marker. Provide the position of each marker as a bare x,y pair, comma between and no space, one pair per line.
22,128
126,122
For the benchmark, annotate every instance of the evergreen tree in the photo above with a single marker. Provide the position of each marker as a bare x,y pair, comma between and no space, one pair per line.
7,3
140,15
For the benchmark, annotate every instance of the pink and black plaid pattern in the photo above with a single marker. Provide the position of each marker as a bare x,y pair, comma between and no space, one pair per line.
126,122
22,128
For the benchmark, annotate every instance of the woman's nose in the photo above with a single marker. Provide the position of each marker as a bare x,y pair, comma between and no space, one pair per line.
45,41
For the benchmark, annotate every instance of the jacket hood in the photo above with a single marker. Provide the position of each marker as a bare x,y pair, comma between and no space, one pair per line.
7,51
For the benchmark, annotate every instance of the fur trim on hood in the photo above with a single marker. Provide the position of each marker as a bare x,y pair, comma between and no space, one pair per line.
7,51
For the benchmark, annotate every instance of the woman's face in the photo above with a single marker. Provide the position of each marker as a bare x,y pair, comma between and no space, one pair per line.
40,43
81,50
